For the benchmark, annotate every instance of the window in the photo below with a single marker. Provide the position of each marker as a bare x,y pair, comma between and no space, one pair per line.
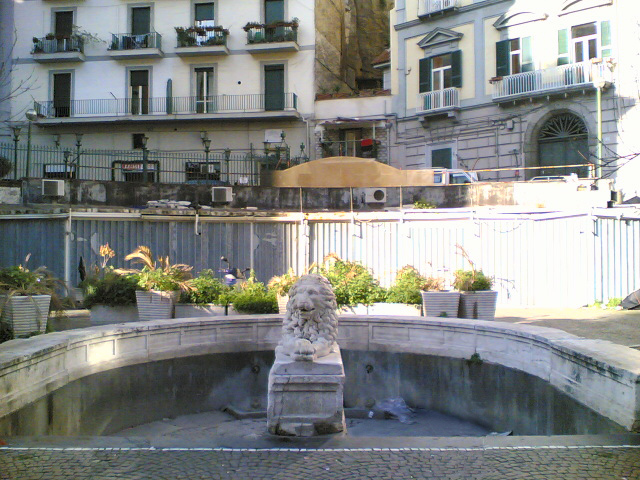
140,20
273,11
204,15
441,156
137,141
139,91
514,56
63,23
440,72
62,94
205,100
581,43
274,87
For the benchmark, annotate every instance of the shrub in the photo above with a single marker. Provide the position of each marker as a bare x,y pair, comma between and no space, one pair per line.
423,204
111,289
207,289
253,297
283,283
5,167
160,275
406,287
352,282
471,281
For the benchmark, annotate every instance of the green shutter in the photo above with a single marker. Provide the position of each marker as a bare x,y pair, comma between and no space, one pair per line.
456,68
441,158
425,75
527,55
605,38
563,47
502,58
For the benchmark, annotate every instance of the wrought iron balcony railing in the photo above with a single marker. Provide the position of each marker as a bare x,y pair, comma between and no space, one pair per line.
427,7
126,41
59,44
165,106
201,36
550,80
272,34
447,99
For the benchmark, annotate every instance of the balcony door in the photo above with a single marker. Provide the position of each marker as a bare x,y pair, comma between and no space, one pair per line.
139,91
140,20
205,101
204,17
62,94
273,13
274,87
585,42
63,29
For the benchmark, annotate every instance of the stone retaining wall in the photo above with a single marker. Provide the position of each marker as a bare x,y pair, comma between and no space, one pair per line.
598,374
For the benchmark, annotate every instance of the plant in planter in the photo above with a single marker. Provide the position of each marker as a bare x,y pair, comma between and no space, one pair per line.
477,300
438,302
112,298
208,296
159,283
252,297
5,167
25,299
281,286
406,287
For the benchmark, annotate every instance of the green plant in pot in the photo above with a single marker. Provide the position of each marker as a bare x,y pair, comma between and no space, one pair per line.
159,283
438,302
281,285
26,296
207,296
477,300
252,297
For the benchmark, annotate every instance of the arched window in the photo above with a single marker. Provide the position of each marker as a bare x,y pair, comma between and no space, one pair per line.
563,140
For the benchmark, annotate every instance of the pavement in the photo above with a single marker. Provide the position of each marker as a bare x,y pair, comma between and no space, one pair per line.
127,456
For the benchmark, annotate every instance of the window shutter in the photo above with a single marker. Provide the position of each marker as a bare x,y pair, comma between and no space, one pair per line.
563,47
204,12
527,55
425,75
456,68
441,158
502,58
605,38
139,78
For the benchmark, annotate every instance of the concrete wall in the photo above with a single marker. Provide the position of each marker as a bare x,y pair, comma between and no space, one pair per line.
599,375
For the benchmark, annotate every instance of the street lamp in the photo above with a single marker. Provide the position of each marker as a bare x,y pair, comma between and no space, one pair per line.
31,115
16,139
145,158
207,144
78,145
66,154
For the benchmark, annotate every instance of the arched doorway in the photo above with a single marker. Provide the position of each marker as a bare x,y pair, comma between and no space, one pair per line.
562,140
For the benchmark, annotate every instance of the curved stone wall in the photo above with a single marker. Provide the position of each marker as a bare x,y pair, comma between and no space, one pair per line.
600,375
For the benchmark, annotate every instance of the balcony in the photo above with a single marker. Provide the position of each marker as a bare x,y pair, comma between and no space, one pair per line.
438,101
126,46
60,48
195,41
216,107
550,81
276,37
429,8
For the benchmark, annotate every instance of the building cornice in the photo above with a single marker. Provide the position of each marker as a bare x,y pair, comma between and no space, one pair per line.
468,8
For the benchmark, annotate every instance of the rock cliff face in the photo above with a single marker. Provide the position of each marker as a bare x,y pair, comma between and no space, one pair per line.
349,35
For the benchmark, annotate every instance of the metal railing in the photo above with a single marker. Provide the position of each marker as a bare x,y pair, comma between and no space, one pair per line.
446,99
550,79
73,43
432,6
201,37
272,34
164,106
127,41
218,167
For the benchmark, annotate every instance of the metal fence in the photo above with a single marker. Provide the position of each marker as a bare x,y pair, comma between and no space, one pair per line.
219,167
536,260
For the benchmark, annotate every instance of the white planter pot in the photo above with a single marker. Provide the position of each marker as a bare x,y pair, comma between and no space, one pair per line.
189,310
104,315
282,303
479,305
441,304
155,305
390,309
25,314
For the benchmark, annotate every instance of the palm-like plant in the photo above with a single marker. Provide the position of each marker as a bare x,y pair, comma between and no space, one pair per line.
158,275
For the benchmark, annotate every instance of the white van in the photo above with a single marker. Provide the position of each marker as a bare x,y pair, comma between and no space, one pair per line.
453,177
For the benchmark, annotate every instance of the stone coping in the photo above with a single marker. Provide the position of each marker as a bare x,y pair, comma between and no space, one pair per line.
599,374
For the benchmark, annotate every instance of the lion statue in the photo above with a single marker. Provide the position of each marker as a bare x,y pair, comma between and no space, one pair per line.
310,326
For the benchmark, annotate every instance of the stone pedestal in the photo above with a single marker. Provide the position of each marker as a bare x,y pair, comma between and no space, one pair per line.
305,398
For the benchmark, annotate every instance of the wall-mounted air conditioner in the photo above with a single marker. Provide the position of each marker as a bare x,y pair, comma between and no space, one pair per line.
221,194
52,188
375,195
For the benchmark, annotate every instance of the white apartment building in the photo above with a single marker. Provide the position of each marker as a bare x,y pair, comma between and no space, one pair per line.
176,76
515,85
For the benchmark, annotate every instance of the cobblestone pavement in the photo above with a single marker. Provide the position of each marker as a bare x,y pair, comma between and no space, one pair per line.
242,464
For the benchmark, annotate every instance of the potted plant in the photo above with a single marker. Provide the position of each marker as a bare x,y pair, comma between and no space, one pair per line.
158,284
280,286
26,297
252,297
403,297
438,302
111,298
477,300
207,297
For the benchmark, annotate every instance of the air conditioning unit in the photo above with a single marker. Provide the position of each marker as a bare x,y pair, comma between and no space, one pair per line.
52,188
221,194
375,195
